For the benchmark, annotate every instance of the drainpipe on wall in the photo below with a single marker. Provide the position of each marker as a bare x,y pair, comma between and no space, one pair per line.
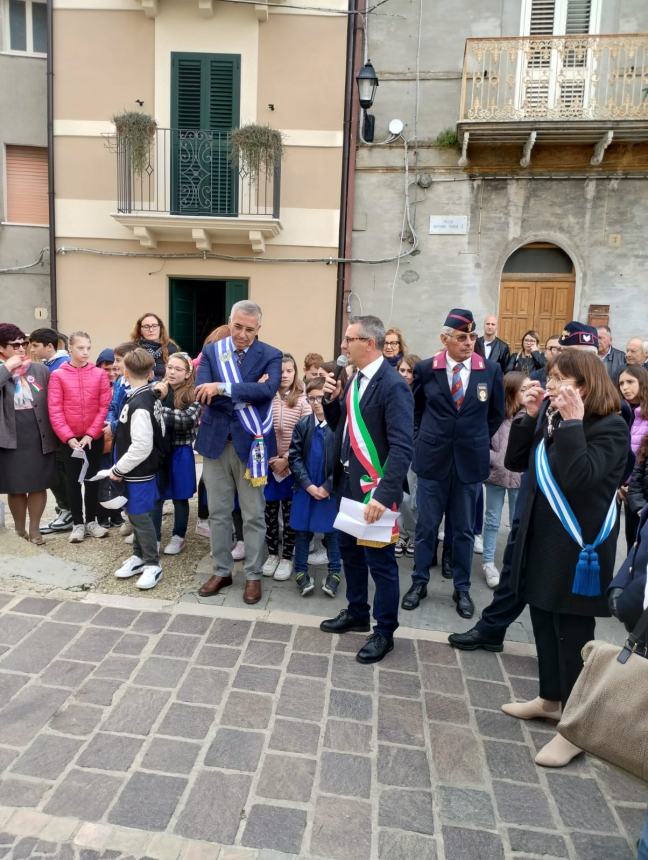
348,172
50,164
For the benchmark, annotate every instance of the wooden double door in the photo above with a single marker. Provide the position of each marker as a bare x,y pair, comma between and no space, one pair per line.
541,303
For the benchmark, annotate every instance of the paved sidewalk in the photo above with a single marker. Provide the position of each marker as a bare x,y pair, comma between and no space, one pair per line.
129,728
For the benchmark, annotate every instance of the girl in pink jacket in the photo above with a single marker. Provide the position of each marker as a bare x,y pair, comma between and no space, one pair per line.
78,397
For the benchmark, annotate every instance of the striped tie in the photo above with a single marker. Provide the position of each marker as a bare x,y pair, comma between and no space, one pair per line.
457,387
240,355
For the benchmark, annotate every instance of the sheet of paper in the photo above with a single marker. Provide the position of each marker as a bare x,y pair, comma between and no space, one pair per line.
101,474
350,519
114,504
80,454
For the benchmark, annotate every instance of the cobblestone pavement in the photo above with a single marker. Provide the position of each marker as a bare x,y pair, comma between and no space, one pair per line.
132,730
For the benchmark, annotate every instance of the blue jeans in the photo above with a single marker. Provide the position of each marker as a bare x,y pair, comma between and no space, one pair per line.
643,841
432,499
180,517
302,542
495,496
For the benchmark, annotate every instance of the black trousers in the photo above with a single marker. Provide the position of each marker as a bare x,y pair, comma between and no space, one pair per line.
59,487
559,640
91,489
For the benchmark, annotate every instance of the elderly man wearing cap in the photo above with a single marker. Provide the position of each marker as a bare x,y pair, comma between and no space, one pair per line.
459,404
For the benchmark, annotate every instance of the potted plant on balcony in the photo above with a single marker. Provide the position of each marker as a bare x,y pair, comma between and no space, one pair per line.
256,148
135,131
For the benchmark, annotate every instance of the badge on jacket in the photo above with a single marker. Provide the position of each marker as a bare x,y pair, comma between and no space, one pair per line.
482,392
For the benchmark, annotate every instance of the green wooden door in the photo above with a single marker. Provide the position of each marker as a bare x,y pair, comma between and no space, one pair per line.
235,291
182,316
205,106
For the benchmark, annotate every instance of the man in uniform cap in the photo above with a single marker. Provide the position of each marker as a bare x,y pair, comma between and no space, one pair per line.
458,405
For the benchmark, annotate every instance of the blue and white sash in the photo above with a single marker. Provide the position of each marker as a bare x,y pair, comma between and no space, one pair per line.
587,576
248,415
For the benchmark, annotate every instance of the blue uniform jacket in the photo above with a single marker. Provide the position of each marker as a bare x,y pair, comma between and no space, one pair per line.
447,436
219,421
387,409
631,577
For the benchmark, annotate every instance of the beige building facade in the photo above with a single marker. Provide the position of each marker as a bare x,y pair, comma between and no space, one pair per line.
191,233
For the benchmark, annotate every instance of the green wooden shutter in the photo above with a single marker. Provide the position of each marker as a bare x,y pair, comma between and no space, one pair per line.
205,105
235,291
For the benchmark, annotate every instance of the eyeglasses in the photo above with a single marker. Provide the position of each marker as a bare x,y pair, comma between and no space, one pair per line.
353,339
18,344
149,326
464,338
392,343
315,399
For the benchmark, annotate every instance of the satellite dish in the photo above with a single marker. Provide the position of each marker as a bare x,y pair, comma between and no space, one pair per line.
396,126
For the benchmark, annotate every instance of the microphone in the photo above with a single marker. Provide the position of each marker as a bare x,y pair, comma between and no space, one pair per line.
340,363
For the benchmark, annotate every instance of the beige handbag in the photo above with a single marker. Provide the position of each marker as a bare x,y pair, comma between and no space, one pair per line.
607,711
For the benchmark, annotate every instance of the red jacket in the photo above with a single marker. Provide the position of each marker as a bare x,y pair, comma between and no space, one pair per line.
78,399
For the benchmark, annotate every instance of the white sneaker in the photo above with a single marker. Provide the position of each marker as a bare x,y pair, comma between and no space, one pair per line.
202,528
318,558
78,534
271,564
238,551
130,538
478,545
284,569
130,567
175,545
126,528
95,530
492,574
150,577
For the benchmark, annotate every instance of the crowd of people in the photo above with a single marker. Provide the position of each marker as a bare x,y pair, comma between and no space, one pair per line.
442,443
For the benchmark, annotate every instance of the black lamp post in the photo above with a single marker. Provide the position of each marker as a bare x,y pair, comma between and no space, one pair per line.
367,82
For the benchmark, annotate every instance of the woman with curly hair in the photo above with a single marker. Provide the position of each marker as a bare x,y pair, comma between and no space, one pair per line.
150,333
633,385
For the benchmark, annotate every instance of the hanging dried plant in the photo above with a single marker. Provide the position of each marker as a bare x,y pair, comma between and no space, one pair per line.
135,131
256,148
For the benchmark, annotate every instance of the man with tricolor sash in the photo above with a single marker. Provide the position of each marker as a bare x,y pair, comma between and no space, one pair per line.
237,379
373,422
459,404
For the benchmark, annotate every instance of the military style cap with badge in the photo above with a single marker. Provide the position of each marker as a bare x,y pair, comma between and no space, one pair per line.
579,334
461,320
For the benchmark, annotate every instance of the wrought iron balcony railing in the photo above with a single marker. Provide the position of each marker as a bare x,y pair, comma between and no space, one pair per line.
549,78
193,172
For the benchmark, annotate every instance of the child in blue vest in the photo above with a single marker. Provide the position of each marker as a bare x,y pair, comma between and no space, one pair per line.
311,459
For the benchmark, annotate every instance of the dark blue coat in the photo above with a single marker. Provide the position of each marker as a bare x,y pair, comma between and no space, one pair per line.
219,421
387,409
631,577
447,437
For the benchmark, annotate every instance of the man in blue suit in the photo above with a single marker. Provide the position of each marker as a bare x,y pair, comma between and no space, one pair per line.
458,406
237,379
373,423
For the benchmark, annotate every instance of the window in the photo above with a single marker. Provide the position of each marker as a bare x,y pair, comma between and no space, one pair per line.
560,17
27,26
26,169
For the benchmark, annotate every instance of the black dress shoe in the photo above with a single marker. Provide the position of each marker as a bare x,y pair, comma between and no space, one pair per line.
465,606
375,648
343,623
446,562
414,595
471,640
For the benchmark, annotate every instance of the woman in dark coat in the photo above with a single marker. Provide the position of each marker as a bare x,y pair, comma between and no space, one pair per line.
586,443
150,333
529,359
27,441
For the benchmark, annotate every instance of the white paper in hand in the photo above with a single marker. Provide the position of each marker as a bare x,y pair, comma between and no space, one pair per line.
101,474
350,519
80,454
116,503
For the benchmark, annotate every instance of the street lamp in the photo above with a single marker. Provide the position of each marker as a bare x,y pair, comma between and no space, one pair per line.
367,81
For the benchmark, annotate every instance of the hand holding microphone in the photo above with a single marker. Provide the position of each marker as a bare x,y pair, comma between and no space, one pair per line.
332,384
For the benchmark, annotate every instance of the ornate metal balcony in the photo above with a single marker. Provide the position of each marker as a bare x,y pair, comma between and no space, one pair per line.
191,184
568,89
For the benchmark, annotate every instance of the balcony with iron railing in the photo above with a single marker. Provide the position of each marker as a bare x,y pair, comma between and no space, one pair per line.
192,188
588,89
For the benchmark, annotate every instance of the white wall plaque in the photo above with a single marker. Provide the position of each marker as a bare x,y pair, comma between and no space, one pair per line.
448,225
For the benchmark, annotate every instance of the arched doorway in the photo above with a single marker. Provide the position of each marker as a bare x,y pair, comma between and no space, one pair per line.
536,292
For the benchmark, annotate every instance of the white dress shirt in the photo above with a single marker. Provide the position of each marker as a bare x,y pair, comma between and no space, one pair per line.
488,346
465,371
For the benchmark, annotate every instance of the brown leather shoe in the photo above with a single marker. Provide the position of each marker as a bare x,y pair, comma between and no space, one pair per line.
214,585
252,592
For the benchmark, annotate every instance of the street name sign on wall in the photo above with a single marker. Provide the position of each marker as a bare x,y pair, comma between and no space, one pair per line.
448,225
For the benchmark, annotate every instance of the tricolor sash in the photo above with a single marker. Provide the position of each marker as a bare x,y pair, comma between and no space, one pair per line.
365,451
248,415
587,581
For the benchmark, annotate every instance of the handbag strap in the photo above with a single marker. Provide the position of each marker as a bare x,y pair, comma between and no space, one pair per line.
636,641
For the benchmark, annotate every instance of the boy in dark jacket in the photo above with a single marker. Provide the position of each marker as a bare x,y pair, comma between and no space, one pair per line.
311,459
138,452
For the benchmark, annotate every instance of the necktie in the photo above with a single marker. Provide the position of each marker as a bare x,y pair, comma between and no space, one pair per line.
345,451
240,355
457,390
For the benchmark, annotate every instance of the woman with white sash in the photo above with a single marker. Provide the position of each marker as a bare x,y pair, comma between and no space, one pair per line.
575,448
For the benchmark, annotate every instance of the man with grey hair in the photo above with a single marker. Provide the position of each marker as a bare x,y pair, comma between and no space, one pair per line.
636,353
613,359
237,379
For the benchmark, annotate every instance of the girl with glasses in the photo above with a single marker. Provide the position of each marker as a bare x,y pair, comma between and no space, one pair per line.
150,333
529,358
